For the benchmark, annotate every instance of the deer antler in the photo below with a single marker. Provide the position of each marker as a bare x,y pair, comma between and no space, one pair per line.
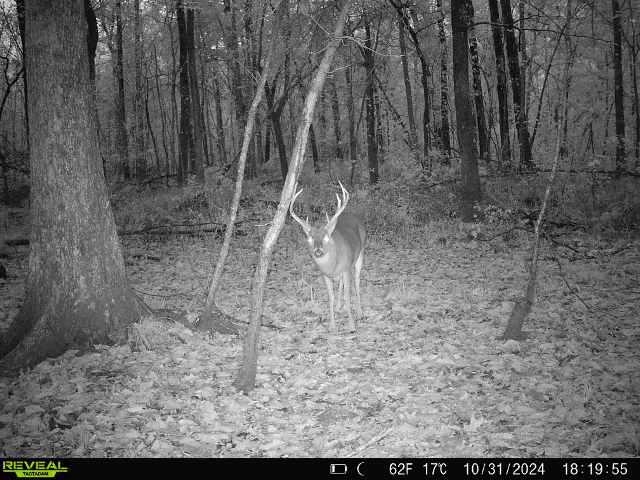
303,223
342,204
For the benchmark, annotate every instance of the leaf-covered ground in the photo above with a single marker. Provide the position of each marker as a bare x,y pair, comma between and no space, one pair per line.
424,375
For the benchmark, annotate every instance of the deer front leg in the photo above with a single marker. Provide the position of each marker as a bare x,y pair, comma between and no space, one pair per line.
358,268
332,319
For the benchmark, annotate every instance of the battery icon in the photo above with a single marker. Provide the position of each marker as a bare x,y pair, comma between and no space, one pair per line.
338,469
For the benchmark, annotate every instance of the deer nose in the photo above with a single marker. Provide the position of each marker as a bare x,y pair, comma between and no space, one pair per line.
318,252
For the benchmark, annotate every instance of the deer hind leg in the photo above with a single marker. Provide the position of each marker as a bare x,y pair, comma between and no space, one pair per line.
332,319
358,268
346,278
340,299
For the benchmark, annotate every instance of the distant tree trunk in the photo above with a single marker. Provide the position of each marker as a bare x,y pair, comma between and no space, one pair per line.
25,96
335,110
275,112
173,164
77,293
150,127
478,98
461,19
237,84
410,23
413,135
194,94
617,85
221,137
163,115
267,141
186,139
633,54
314,149
353,141
445,135
526,162
372,144
140,157
501,74
122,138
524,66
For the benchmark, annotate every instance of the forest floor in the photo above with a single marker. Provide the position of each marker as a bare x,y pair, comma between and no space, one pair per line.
424,375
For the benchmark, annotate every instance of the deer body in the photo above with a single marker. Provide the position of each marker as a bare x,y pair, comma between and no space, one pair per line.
337,249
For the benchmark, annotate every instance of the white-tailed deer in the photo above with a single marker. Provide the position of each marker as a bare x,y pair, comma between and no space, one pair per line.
337,249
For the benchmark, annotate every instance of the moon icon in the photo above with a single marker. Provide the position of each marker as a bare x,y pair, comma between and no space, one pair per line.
358,469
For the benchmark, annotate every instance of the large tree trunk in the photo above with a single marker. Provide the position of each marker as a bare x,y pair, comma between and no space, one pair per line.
445,135
77,293
617,85
122,138
185,137
413,135
501,74
140,157
372,144
526,162
461,18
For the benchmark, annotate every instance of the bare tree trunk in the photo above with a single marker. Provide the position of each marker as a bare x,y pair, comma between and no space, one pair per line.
186,139
237,88
353,141
445,135
194,94
314,149
524,304
413,134
25,96
372,144
461,19
247,374
122,139
526,162
618,88
335,110
221,142
478,98
140,156
501,74
633,55
163,115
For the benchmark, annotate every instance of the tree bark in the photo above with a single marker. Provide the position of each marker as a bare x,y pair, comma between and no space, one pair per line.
461,19
122,138
197,159
478,98
445,129
77,293
372,144
519,111
221,137
140,156
185,135
335,110
413,134
618,88
22,28
501,74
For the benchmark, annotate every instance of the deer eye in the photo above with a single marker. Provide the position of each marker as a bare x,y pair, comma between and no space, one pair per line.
325,239
310,240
